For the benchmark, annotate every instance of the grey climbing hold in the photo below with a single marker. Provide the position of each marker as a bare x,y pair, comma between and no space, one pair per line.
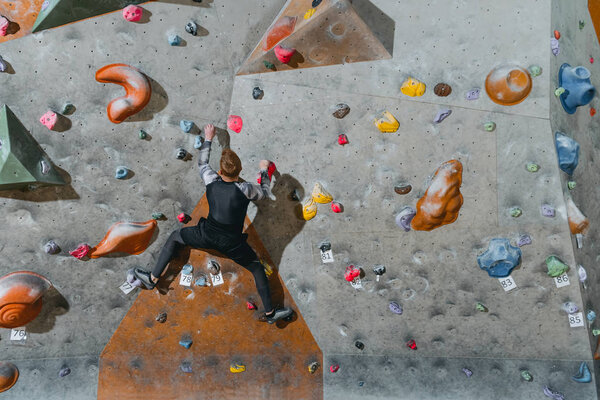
379,269
548,210
568,152
341,110
404,218
186,367
3,65
121,172
161,318
257,93
198,142
214,267
174,40
45,167
524,240
554,46
158,215
582,273
51,247
192,28
186,126
64,371
181,153
467,372
584,374
396,308
570,308
500,258
325,246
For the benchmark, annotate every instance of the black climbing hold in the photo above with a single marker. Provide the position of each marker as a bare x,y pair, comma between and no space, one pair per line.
192,28
268,64
315,3
162,317
359,345
181,154
294,195
325,246
257,93
379,269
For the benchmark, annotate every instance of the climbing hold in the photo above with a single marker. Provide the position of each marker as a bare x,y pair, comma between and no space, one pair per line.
570,307
556,35
559,91
403,188
158,215
187,343
591,60
49,119
315,3
198,142
186,126
337,207
161,318
581,272
467,372
396,308
174,40
592,111
596,332
68,108
312,367
579,90
187,269
21,298
51,247
143,135
186,367
387,123
201,281
325,246
268,64
412,87
309,209
515,212
132,13
581,24
554,46
533,167
213,267
583,375
442,115
578,223
489,126
309,13
442,201
320,195
548,210
237,367
411,344
524,240
508,85
555,266
334,368
183,218
3,65
137,90
4,24
591,316
568,152
442,90
361,383
535,70
342,139
554,395
125,237
9,374
64,371
351,273
257,93
121,172
472,94
181,153
81,251
481,307
132,279
281,29
341,110
526,375
270,171
404,218
234,122
191,28
359,345
500,258
379,269
284,54
250,305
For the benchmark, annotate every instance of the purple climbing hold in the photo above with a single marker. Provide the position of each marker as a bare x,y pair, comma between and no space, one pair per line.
555,46
64,371
3,65
51,247
442,115
553,394
396,308
570,307
132,279
404,218
524,240
548,210
472,94
467,372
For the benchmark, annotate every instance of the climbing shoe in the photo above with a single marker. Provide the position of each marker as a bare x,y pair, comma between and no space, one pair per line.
144,277
320,195
279,313
309,209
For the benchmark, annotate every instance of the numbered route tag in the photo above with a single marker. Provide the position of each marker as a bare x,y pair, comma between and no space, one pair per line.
18,334
126,287
507,283
186,279
217,279
562,280
356,283
576,320
327,256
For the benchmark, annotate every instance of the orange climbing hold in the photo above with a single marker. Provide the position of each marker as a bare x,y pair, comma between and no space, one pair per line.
578,223
21,298
137,90
556,35
279,31
442,200
9,374
125,237
508,85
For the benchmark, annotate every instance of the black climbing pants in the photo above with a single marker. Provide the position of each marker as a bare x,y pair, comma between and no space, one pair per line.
234,246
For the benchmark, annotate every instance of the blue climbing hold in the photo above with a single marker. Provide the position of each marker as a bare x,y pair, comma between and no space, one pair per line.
584,375
186,125
174,40
198,142
187,269
187,343
568,152
201,281
121,173
500,258
579,90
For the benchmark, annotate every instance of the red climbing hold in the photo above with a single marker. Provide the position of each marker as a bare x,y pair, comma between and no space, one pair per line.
337,207
592,111
234,122
342,139
556,35
334,368
81,251
352,272
183,218
411,344
284,54
591,60
272,168
250,305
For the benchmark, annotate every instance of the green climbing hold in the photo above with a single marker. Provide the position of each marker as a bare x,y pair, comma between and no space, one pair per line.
555,266
535,70
143,134
526,375
157,215
67,108
533,167
559,91
480,307
571,185
595,332
581,24
516,212
489,126
269,64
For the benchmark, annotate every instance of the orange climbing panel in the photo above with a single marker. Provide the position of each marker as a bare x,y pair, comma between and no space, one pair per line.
143,358
22,14
594,9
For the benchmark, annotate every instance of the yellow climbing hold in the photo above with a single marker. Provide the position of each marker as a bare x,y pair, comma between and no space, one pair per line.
309,13
320,195
235,368
309,209
412,87
387,122
268,269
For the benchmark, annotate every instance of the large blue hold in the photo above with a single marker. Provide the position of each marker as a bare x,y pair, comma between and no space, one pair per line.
579,91
500,258
568,152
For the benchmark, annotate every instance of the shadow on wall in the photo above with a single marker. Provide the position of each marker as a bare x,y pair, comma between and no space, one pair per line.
382,26
157,103
44,193
54,304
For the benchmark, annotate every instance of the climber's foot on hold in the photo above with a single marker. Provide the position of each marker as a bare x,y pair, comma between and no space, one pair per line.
276,314
145,277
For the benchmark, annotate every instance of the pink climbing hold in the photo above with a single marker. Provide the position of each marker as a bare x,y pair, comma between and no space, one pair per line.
351,273
234,122
4,23
284,54
183,218
334,368
342,139
132,13
272,168
337,207
250,305
49,119
81,251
